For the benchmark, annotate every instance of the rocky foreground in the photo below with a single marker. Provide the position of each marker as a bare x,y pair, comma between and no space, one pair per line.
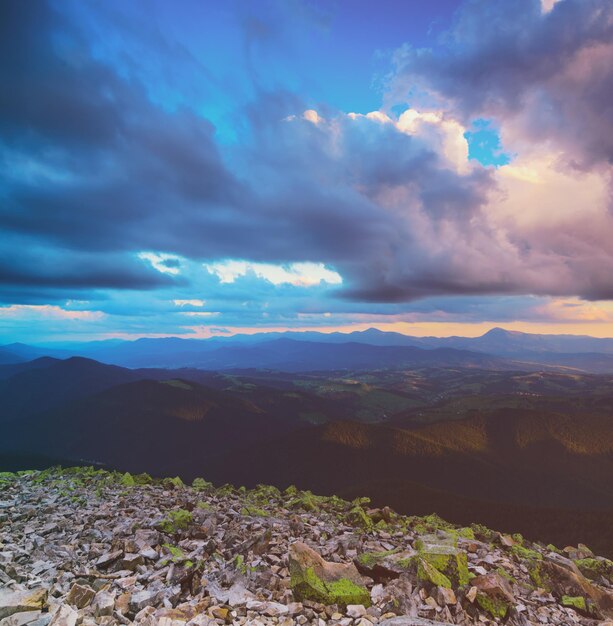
80,546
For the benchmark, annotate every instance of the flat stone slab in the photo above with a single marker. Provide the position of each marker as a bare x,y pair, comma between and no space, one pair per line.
17,601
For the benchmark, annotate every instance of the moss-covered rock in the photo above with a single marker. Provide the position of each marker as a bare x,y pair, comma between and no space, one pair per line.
495,607
307,585
254,511
429,574
312,578
441,552
594,568
576,602
173,483
304,500
370,559
127,480
532,560
565,579
178,519
430,524
385,565
494,594
467,533
199,484
358,517
143,479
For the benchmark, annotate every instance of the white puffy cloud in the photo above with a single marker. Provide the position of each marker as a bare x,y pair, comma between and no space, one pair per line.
298,274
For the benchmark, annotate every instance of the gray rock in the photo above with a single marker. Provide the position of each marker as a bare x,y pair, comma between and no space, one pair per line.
142,599
109,558
19,619
64,616
12,601
356,610
104,603
80,596
43,620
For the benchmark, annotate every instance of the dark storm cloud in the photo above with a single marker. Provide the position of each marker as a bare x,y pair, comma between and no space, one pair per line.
116,170
40,275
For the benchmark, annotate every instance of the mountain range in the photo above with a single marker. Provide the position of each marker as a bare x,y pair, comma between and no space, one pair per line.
296,351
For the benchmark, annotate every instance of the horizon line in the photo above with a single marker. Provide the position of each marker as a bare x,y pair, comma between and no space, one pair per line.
251,332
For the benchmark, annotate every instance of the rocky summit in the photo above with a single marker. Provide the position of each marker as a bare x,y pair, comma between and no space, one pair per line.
85,546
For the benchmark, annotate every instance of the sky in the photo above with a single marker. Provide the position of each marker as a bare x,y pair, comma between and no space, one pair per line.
203,168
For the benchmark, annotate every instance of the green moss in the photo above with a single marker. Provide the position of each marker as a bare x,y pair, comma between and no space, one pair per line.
306,585
370,559
494,606
483,533
358,517
536,575
199,484
503,572
430,523
426,572
143,479
595,568
176,554
305,500
127,480
177,520
226,490
532,560
448,560
440,561
239,563
576,602
173,483
553,548
265,493
526,554
205,506
382,525
466,533
254,511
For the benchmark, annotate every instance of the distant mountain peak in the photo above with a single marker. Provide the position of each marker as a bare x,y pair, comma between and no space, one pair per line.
497,331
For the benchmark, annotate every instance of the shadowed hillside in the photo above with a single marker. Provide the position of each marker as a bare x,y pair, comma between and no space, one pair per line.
533,449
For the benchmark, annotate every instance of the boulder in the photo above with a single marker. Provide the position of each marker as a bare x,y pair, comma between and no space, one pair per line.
564,579
312,578
383,566
80,596
440,551
494,594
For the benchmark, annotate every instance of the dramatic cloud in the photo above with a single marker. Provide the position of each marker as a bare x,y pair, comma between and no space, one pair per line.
113,176
547,74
